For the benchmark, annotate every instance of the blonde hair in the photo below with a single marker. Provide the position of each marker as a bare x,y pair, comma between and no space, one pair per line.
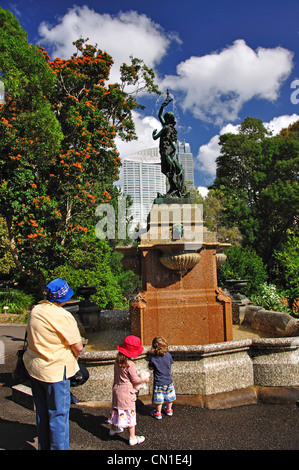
159,346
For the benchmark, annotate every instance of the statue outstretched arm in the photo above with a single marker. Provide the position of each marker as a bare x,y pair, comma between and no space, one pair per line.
160,115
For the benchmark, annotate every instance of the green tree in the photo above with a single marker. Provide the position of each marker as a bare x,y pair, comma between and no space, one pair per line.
57,166
91,114
6,260
243,263
93,262
287,269
258,176
213,210
29,135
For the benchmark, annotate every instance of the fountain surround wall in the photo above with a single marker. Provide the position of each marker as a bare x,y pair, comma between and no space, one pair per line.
216,375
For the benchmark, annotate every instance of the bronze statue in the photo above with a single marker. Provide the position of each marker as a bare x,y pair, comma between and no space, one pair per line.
170,166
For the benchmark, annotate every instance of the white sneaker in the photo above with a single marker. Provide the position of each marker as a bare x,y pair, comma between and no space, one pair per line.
112,432
136,440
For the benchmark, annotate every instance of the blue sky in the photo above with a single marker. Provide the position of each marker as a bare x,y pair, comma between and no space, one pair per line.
221,60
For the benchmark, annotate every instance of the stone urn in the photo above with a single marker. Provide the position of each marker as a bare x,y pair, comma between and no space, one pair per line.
88,311
131,258
220,259
131,263
86,292
180,262
236,285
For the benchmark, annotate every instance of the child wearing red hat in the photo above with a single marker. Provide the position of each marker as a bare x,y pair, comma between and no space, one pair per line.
123,409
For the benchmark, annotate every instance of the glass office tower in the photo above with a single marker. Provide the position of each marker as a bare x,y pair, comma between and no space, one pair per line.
142,179
186,160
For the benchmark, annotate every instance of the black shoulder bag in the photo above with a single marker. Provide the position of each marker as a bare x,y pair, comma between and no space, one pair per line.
20,373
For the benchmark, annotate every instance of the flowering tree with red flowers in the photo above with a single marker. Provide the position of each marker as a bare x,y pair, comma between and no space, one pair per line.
58,157
30,135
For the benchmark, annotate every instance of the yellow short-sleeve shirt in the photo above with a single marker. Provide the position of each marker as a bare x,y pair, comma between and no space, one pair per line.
50,332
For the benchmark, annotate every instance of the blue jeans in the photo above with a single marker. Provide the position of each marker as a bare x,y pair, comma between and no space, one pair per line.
52,402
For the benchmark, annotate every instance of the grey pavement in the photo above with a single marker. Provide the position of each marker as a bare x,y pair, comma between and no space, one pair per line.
191,429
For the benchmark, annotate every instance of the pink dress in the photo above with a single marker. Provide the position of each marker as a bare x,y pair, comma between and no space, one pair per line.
123,410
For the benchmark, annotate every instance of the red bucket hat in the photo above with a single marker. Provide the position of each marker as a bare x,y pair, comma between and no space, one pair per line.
131,347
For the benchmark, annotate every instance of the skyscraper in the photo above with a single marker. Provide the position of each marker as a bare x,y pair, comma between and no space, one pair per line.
186,160
142,179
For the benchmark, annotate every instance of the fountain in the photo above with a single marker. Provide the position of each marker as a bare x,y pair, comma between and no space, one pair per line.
177,260
176,257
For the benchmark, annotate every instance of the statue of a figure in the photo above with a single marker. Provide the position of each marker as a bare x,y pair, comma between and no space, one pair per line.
167,147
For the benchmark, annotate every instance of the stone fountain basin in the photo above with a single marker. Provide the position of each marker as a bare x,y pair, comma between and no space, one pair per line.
215,375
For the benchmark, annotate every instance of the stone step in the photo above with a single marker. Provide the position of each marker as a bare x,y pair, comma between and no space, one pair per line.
22,394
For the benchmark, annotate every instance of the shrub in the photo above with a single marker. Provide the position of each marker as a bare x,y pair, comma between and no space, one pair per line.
287,258
90,264
16,301
268,297
108,293
243,263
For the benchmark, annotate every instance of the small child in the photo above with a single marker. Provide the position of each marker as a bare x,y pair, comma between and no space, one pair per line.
123,409
161,361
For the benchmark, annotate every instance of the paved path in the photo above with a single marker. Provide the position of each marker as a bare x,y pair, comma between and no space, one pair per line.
253,427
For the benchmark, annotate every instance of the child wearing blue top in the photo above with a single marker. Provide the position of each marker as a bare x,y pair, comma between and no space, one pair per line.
163,391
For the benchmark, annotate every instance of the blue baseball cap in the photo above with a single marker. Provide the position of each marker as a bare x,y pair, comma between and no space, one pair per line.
59,291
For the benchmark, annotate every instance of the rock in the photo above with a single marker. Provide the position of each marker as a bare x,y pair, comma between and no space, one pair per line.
277,324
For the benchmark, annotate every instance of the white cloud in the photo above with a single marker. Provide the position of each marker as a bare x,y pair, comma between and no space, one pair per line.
205,161
203,191
213,87
122,35
280,122
144,128
216,86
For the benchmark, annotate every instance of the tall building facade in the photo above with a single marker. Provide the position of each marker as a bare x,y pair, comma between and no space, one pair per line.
185,158
142,179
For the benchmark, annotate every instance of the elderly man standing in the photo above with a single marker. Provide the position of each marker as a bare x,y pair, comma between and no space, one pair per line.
54,344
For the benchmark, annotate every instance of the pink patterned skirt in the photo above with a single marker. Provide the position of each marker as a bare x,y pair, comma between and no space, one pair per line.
122,418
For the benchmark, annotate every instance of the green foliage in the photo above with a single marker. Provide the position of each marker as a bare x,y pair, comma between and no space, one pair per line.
129,282
242,263
268,297
6,260
90,264
29,135
58,158
16,301
287,271
257,177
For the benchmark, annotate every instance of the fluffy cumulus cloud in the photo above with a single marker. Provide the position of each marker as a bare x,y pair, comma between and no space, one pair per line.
122,35
280,122
205,161
214,87
144,126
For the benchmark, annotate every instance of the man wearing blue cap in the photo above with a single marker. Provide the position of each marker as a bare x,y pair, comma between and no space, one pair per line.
54,344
